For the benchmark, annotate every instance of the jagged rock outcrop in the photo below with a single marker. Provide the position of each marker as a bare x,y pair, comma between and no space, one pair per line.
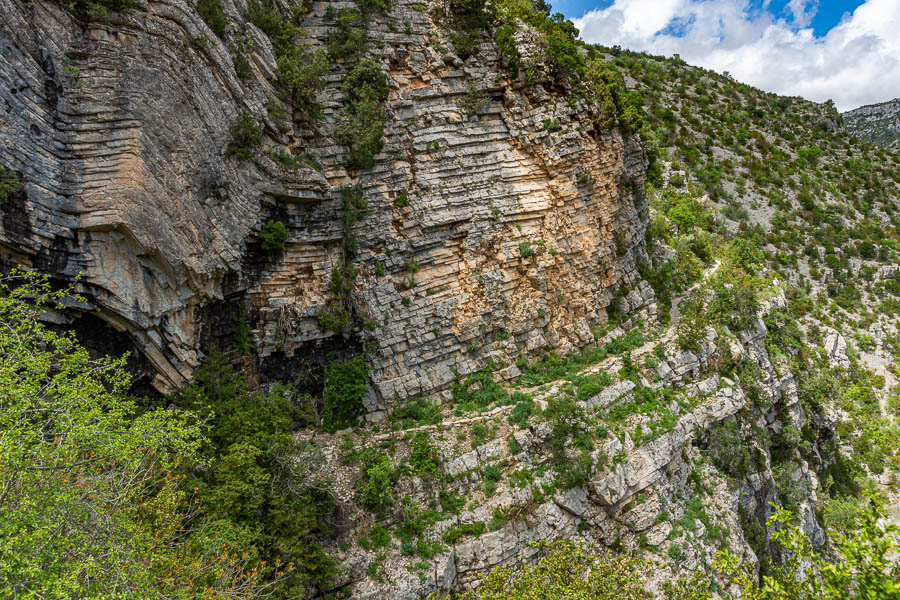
119,131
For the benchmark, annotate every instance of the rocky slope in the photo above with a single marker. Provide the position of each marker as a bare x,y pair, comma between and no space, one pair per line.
878,124
119,130
661,485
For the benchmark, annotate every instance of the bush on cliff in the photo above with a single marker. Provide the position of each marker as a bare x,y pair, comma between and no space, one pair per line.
362,125
246,135
95,10
213,15
345,387
9,184
272,236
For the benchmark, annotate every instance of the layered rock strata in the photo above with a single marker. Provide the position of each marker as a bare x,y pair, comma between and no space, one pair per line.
521,233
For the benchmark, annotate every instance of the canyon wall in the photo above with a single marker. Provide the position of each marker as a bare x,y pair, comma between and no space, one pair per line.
501,221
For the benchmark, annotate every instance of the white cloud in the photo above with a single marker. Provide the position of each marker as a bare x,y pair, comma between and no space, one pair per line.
857,62
803,11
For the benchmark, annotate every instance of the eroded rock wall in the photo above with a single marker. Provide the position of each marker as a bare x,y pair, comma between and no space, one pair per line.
119,133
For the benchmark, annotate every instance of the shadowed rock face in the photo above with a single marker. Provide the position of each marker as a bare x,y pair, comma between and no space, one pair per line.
119,132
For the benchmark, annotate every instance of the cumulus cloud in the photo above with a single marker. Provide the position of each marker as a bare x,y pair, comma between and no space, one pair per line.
857,62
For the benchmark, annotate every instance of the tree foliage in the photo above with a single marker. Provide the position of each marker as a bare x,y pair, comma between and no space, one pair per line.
260,484
567,570
91,488
863,569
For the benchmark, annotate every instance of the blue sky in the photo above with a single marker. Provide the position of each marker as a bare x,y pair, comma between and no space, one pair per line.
827,15
844,50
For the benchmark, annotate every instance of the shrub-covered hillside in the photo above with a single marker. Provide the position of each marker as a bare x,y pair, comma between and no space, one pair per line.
821,205
876,123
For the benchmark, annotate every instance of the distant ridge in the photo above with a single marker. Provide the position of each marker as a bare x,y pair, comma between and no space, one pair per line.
876,123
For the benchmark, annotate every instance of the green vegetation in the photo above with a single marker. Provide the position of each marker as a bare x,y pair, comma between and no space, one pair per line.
9,184
376,485
768,214
337,314
552,367
362,125
457,532
423,456
301,73
272,236
213,15
345,387
95,10
97,504
279,506
573,569
246,136
300,69
566,569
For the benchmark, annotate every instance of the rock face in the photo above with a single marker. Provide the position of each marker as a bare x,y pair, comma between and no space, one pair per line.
119,131
876,123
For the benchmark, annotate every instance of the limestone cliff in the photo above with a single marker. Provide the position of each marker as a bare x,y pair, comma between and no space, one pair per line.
118,131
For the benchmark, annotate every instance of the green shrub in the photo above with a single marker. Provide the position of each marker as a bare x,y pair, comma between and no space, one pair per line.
239,60
561,51
423,456
417,412
473,101
368,6
246,136
301,72
685,213
95,10
347,40
346,385
213,15
366,80
733,305
509,52
378,475
457,532
451,503
520,412
299,68
362,124
102,489
867,250
745,254
468,21
675,552
281,507
604,83
9,184
362,130
566,569
272,236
